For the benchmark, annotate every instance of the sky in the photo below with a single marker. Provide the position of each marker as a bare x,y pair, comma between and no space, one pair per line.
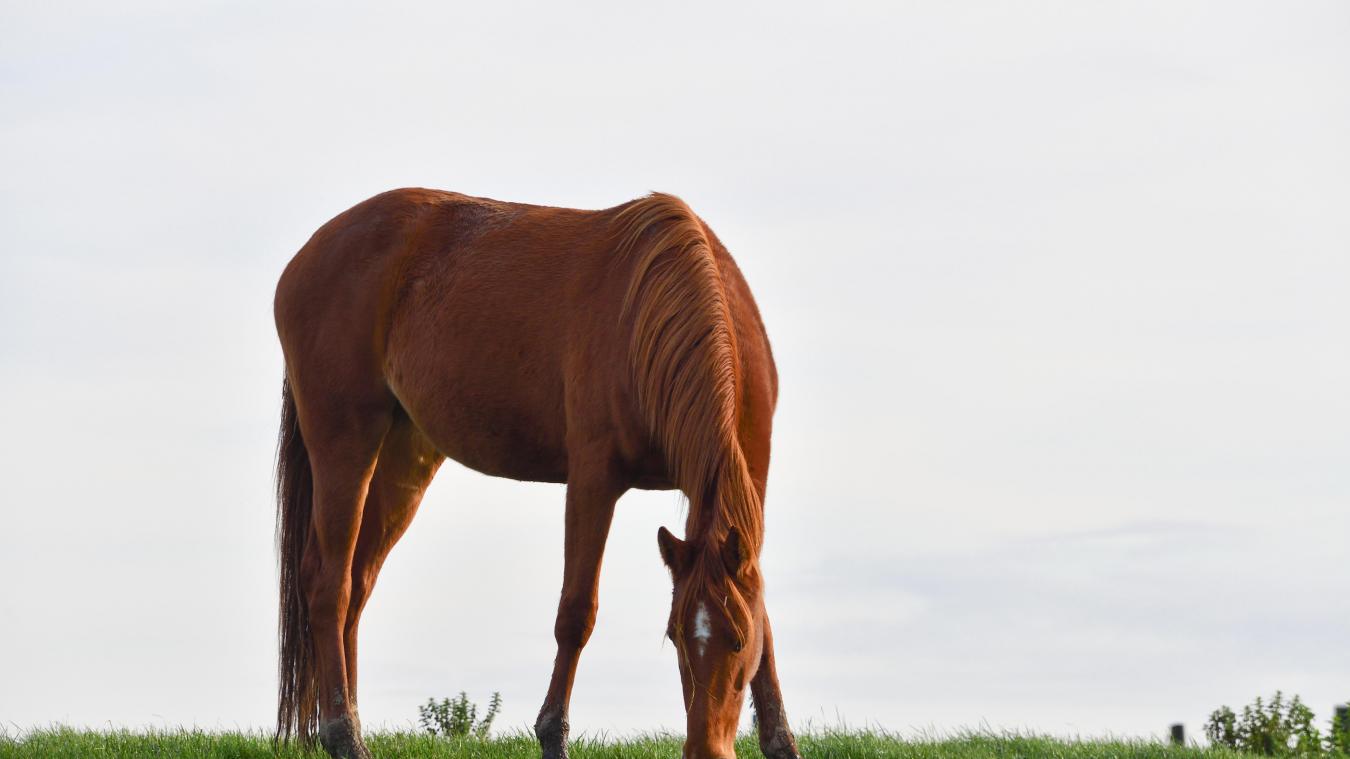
1057,293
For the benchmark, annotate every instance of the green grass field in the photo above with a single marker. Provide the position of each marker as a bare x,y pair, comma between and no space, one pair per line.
66,744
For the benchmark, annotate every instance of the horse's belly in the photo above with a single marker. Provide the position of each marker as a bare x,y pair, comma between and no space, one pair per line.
493,410
490,434
498,442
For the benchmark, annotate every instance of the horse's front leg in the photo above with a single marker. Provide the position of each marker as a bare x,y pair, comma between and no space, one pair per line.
775,738
591,495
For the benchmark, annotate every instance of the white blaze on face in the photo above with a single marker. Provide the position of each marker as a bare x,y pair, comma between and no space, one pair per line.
702,629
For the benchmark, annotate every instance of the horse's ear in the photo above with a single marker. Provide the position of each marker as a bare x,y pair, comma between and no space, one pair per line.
733,553
673,550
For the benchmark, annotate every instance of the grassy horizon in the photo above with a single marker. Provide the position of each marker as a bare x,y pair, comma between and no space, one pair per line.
69,743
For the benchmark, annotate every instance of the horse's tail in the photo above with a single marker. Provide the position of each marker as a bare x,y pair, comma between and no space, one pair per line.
686,364
297,700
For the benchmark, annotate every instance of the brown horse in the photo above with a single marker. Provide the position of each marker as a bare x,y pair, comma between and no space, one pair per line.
607,350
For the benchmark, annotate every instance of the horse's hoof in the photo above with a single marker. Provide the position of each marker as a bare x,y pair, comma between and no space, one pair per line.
341,738
551,730
779,745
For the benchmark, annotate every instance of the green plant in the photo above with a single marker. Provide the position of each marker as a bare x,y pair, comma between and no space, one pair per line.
1338,737
459,717
1222,728
1274,728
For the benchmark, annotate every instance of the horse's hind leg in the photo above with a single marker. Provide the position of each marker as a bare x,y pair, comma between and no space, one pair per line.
407,463
344,440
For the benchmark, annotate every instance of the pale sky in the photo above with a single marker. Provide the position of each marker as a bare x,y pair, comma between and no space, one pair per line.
1058,294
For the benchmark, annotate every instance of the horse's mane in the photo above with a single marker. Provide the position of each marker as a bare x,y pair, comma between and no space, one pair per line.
686,372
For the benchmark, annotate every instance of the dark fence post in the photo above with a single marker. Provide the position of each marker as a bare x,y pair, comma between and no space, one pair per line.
1179,734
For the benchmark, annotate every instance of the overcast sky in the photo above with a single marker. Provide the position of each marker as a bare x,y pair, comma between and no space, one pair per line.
1058,294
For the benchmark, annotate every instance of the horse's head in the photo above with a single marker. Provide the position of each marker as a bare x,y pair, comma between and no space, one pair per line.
717,626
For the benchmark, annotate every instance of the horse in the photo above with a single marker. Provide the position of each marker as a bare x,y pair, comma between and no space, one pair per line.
606,350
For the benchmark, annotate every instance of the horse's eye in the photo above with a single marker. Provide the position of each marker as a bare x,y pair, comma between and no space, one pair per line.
736,647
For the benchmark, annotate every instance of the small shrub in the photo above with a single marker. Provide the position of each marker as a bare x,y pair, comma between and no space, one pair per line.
1274,728
1338,738
458,718
1222,728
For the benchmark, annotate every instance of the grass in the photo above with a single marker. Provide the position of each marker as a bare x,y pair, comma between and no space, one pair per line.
67,743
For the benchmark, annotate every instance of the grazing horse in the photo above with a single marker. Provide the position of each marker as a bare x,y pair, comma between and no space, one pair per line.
607,350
